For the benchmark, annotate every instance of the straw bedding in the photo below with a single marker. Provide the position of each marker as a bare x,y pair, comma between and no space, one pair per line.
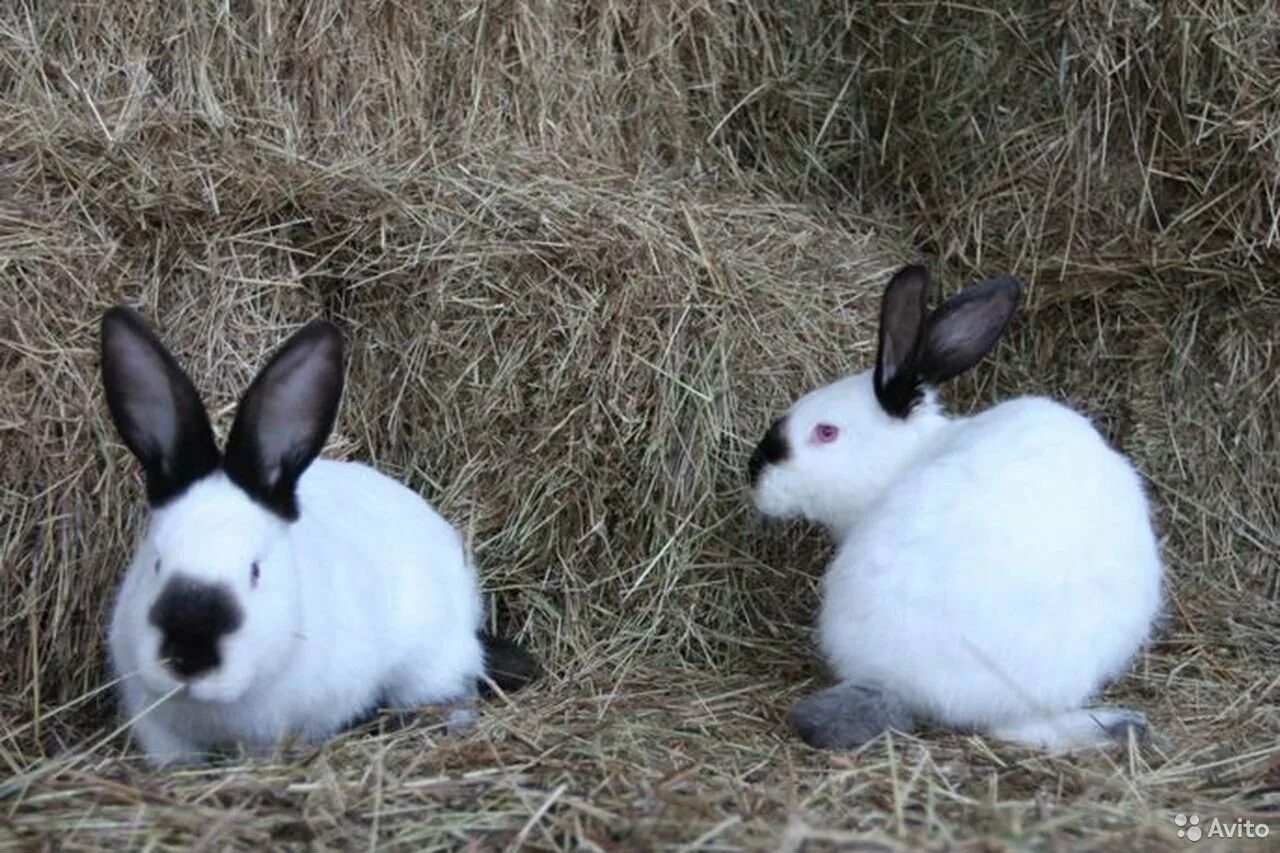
582,254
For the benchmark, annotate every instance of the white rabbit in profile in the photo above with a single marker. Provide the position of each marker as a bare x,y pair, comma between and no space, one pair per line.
993,571
275,594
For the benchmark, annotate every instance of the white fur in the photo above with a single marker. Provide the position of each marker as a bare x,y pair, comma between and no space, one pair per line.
993,571
368,596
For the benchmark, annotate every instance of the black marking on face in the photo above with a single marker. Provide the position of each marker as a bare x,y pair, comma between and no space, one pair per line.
193,617
771,450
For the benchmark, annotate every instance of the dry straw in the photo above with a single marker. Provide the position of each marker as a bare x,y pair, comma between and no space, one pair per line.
583,252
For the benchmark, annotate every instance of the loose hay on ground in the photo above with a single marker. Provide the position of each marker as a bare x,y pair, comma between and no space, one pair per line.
583,253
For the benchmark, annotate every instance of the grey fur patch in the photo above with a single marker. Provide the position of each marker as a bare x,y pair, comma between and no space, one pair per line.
848,715
1132,723
461,719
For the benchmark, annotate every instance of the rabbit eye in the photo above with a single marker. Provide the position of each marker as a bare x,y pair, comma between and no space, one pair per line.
157,567
825,433
254,574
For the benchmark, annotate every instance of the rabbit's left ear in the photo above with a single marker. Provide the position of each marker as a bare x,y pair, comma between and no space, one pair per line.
902,316
966,327
155,407
285,417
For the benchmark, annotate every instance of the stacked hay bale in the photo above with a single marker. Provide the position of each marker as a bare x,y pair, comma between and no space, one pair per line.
584,251
565,339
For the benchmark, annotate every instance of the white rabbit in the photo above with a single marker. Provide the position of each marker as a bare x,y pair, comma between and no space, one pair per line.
993,571
274,595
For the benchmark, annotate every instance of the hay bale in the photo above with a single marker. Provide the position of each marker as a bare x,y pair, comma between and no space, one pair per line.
1092,144
572,371
583,252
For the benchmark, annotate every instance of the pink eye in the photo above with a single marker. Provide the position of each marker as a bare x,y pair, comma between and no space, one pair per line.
825,433
254,574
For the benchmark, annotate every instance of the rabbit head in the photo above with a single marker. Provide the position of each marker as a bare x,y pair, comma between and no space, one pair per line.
211,601
840,446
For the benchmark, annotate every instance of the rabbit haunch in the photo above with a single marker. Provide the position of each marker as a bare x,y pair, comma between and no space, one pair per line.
274,594
994,571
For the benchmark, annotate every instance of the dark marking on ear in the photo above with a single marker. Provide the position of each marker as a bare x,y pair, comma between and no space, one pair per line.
285,417
897,384
966,327
155,407
771,450
193,617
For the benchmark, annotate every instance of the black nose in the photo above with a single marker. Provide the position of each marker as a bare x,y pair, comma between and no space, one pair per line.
771,450
192,617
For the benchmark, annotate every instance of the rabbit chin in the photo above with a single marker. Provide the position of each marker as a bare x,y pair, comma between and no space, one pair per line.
773,499
223,685
220,687
780,497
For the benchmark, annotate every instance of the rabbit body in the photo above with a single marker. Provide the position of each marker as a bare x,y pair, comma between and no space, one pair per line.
1008,573
382,607
993,571
275,594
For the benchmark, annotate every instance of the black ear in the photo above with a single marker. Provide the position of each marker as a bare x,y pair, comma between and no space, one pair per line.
966,327
902,315
155,407
284,418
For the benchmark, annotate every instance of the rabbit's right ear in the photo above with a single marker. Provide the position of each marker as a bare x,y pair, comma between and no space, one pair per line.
902,315
285,416
155,407
966,327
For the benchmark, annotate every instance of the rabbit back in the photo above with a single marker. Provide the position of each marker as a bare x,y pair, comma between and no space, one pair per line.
1016,567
